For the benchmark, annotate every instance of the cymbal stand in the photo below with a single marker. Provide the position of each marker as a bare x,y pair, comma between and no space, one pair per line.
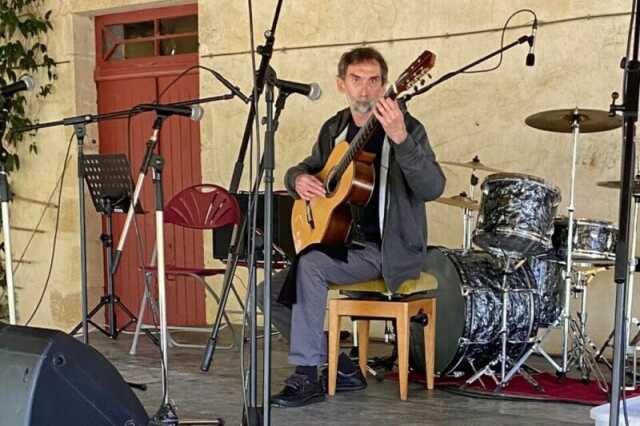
503,359
566,313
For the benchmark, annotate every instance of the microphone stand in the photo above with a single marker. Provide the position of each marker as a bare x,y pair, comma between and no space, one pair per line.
269,167
236,245
79,124
424,89
629,109
5,197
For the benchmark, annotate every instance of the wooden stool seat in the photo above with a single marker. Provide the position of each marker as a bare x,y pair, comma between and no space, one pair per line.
401,311
425,282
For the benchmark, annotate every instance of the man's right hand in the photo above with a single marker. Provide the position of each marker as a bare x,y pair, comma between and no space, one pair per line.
308,187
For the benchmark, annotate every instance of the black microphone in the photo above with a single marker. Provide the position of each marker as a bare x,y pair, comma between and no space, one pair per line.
531,56
24,83
311,91
194,112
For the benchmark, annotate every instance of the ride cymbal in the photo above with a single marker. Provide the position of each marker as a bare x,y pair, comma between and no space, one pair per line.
561,120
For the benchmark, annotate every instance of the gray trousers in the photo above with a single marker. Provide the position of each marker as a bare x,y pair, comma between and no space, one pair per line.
303,325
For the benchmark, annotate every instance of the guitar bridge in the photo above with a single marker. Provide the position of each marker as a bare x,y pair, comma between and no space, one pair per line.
310,216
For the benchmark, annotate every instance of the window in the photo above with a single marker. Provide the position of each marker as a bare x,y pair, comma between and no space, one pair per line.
148,38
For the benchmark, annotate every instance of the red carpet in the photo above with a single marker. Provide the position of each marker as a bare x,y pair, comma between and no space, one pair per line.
569,390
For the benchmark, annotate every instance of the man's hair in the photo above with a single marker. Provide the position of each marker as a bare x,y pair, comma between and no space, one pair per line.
360,55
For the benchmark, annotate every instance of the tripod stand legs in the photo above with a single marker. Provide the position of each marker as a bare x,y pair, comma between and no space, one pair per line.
110,300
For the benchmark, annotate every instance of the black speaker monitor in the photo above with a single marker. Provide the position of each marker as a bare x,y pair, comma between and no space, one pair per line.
49,378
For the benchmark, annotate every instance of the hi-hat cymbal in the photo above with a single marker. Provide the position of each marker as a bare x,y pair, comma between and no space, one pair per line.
474,164
615,184
561,120
461,201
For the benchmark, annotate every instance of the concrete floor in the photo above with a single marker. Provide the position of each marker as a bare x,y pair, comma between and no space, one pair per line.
218,393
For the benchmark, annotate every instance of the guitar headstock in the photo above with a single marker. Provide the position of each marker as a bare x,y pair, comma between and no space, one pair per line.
414,73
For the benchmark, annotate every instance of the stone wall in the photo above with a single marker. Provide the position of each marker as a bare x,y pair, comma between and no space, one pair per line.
580,44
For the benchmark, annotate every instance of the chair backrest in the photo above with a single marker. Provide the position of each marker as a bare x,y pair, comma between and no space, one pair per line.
203,206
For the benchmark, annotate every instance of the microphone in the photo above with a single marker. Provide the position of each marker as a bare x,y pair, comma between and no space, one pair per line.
194,112
531,57
25,82
311,91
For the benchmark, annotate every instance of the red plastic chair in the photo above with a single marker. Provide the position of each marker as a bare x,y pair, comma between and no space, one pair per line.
198,207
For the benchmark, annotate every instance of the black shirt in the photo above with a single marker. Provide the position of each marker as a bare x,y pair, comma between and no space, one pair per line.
366,218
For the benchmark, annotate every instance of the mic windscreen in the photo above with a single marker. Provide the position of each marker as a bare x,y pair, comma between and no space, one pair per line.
315,92
531,59
29,82
196,112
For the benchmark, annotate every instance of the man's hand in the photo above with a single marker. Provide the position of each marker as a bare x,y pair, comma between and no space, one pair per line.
388,113
309,187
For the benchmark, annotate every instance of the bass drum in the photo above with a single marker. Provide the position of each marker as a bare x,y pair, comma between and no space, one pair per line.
469,310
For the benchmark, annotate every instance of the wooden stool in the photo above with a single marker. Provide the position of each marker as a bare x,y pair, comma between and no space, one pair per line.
401,310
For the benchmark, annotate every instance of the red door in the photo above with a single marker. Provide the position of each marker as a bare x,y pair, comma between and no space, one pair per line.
139,55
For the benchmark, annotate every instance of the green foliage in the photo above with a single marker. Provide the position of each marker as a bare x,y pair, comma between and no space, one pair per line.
23,50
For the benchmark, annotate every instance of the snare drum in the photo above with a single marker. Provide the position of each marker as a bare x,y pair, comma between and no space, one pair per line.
516,215
593,240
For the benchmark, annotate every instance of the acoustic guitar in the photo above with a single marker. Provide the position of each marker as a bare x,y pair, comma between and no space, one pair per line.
348,176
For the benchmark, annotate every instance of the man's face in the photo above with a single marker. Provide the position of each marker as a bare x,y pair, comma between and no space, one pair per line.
363,86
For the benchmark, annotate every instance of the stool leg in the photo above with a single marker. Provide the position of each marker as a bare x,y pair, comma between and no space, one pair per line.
430,345
402,322
334,343
363,345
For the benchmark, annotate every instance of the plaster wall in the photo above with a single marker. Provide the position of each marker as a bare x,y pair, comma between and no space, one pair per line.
580,44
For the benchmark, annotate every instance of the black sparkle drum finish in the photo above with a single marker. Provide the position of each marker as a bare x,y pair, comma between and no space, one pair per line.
516,215
593,240
549,283
469,314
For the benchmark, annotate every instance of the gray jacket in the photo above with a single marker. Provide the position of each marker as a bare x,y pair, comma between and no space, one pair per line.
409,175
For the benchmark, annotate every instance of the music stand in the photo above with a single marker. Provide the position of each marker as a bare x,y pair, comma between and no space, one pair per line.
109,181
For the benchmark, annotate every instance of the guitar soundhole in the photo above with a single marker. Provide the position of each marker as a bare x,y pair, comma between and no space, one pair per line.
331,183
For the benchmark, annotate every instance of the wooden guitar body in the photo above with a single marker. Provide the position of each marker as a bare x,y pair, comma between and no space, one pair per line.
327,220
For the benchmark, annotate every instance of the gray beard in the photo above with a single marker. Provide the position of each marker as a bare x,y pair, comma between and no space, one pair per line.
362,107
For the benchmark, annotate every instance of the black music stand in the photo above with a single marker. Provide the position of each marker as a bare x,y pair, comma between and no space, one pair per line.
109,181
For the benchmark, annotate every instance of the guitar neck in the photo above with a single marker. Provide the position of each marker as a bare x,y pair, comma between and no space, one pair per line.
362,137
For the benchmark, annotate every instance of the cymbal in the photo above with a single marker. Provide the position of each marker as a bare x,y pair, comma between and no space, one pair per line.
474,164
560,120
461,201
615,184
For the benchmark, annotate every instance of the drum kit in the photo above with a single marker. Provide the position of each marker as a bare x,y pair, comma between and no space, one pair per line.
529,263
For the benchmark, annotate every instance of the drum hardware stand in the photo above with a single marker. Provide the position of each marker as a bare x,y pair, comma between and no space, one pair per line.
566,313
510,266
583,350
467,215
630,343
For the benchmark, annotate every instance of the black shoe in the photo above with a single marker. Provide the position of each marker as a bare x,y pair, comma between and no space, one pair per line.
350,377
298,391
